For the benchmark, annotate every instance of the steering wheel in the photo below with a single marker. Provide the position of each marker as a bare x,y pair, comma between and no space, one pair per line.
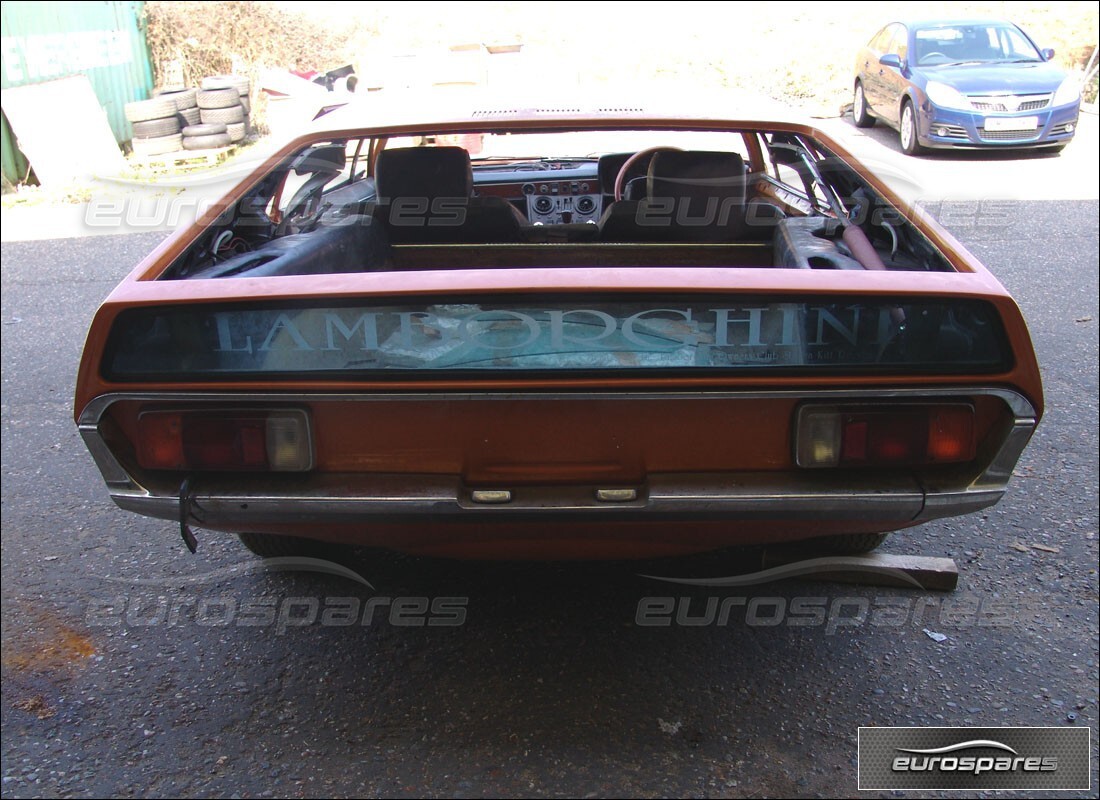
620,179
935,54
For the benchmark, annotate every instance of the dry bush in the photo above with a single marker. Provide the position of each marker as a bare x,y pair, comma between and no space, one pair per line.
246,37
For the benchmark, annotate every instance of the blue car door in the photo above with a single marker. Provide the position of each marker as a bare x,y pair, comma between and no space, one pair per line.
894,80
871,71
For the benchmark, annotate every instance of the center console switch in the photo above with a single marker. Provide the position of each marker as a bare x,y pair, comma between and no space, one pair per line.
562,202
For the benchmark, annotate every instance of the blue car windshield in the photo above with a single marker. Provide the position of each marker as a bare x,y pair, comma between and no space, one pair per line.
976,43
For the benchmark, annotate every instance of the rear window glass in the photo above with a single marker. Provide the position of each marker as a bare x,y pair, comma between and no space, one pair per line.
717,335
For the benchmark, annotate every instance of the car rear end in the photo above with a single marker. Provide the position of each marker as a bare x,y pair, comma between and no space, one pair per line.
731,411
584,400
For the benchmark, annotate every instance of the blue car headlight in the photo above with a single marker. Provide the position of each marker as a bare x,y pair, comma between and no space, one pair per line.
946,96
1068,92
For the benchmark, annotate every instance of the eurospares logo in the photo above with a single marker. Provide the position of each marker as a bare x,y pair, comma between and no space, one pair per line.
953,758
975,758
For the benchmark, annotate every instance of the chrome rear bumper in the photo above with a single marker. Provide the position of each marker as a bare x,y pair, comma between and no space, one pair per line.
903,499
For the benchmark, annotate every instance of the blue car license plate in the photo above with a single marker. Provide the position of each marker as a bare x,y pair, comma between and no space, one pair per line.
1011,123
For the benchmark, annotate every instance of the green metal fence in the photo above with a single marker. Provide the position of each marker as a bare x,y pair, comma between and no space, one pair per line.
43,41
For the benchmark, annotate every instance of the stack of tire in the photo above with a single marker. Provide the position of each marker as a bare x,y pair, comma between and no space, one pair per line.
224,108
187,109
156,126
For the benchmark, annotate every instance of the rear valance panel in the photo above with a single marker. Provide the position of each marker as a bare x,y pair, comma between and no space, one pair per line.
570,336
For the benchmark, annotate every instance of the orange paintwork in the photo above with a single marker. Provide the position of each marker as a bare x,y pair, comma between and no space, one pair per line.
493,442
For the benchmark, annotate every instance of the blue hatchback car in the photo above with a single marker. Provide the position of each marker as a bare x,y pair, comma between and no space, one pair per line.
964,83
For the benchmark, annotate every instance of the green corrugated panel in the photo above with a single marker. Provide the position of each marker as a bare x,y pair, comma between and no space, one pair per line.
103,40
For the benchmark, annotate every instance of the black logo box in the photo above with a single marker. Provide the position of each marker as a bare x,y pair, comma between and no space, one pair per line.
974,758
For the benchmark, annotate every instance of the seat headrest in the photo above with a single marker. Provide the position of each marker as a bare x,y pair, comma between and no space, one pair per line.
424,172
696,173
324,158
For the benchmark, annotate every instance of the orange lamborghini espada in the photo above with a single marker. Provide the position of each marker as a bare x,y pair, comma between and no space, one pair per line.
558,333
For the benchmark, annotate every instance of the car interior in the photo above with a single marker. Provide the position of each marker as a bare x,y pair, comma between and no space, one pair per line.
778,201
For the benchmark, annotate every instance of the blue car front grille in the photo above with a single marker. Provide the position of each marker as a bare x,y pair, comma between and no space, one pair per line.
1006,136
1009,103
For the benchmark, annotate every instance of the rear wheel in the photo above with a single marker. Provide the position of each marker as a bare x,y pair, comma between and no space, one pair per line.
907,132
860,115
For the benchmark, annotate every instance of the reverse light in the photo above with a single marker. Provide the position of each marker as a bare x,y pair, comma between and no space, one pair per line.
229,440
874,436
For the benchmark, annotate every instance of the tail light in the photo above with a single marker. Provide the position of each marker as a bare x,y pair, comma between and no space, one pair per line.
212,440
887,436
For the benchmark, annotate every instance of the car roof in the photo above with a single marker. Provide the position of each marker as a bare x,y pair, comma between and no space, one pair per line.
465,107
948,22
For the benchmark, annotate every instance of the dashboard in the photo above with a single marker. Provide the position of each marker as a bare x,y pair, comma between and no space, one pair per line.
548,192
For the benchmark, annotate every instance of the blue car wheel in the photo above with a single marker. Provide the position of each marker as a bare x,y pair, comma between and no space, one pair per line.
907,131
860,115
